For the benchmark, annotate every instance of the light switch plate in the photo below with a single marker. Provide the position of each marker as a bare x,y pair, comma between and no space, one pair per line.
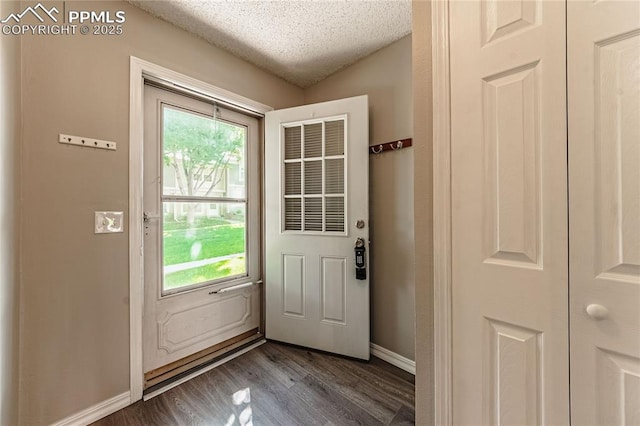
109,222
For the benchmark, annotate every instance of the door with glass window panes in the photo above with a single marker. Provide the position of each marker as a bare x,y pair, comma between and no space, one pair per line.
202,231
317,225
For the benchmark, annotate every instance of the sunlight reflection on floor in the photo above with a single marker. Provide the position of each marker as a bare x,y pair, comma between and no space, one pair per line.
245,418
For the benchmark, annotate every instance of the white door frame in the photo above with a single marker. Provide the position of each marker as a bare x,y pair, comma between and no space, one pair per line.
139,71
442,299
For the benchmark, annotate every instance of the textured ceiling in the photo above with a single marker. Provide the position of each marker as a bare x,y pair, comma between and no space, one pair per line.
302,41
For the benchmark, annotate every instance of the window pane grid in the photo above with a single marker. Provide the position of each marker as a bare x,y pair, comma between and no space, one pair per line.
313,181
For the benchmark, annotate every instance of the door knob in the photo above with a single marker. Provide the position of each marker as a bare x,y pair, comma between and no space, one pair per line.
597,312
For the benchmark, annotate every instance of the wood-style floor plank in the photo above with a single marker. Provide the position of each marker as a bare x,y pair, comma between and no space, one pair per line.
330,370
267,393
404,416
335,408
278,384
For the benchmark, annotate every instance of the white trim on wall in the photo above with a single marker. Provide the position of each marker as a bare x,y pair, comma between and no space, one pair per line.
393,358
141,69
96,412
442,317
136,276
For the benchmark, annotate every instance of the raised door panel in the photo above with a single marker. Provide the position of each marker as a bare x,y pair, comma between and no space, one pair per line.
200,321
334,289
618,388
293,285
502,18
512,205
514,385
617,132
188,326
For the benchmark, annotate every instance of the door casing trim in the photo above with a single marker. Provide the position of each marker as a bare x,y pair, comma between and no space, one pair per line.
442,284
139,70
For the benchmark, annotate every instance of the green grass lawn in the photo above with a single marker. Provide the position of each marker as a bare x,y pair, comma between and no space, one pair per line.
206,239
226,268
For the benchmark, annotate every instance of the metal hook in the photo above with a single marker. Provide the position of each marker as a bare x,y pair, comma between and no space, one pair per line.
380,149
397,147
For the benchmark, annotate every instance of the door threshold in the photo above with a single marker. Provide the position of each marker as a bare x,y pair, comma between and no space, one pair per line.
187,364
196,371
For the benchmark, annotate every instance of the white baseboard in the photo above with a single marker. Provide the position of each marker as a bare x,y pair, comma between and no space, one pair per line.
98,411
393,358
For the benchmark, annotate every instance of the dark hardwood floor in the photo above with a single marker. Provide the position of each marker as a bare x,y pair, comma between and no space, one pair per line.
277,384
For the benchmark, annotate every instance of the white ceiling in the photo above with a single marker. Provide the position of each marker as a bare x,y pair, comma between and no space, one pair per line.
302,41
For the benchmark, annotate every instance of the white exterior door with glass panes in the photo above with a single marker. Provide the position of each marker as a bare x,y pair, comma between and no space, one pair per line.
202,230
317,226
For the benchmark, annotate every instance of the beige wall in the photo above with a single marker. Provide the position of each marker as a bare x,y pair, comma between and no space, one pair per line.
423,172
386,77
10,128
75,340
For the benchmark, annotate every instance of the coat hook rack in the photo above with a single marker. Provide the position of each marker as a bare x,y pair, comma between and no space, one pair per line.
390,146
